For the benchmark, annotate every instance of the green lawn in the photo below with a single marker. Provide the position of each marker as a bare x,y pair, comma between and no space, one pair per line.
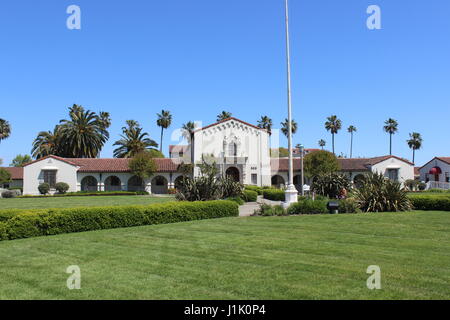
70,202
303,257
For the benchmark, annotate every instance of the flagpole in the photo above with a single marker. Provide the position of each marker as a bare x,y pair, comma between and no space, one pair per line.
291,192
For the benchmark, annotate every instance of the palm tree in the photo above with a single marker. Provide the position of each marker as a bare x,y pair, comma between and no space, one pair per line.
265,123
188,130
47,143
224,115
105,119
391,127
164,121
85,134
5,129
133,141
333,125
322,143
351,130
285,127
415,143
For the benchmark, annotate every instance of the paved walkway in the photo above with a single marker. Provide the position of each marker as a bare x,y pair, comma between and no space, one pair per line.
249,208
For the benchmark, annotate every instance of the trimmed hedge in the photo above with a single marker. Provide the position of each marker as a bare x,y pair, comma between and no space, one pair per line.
308,207
257,189
274,194
35,223
94,194
430,203
250,196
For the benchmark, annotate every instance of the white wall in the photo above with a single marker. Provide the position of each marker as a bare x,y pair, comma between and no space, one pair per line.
406,170
253,145
34,176
445,167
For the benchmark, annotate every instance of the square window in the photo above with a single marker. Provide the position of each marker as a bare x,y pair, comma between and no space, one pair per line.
254,179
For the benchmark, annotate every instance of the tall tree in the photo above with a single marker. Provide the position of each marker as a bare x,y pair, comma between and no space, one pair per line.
188,130
333,125
224,115
391,127
164,121
285,127
5,129
133,141
20,160
265,123
415,143
322,143
84,134
105,119
48,143
351,130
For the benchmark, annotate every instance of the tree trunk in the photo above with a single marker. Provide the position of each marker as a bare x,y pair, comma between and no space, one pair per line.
351,146
333,143
390,144
161,144
414,155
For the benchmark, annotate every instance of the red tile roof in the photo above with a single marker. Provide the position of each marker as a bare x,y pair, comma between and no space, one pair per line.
113,164
357,164
16,173
444,159
232,118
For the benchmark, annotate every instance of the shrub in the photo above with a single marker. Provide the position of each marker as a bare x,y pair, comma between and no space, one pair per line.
378,194
44,188
266,210
250,196
238,200
430,202
330,184
56,221
320,162
349,206
5,176
62,187
274,194
9,194
257,189
422,186
308,207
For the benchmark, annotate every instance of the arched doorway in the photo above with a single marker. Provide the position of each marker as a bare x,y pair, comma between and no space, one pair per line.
136,184
298,182
113,183
89,184
358,180
178,182
233,173
436,171
278,182
160,185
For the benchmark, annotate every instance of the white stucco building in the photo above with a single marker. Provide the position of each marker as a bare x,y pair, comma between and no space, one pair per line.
436,173
240,150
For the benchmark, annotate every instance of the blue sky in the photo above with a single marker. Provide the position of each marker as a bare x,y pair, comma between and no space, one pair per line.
197,58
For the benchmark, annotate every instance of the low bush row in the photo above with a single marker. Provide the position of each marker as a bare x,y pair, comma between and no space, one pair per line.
274,194
430,202
17,224
93,194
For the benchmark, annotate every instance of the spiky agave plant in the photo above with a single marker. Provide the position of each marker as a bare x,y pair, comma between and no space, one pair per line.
379,194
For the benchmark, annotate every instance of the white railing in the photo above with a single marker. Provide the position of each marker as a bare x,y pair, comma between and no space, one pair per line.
438,185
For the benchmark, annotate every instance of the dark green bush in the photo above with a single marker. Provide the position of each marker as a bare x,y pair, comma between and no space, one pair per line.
9,194
35,223
62,187
238,200
257,189
266,210
308,207
430,203
330,185
250,196
349,206
44,188
274,194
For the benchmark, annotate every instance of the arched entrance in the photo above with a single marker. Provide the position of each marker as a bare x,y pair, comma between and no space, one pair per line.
113,183
233,173
89,184
177,182
436,171
358,180
136,184
298,182
160,185
278,182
